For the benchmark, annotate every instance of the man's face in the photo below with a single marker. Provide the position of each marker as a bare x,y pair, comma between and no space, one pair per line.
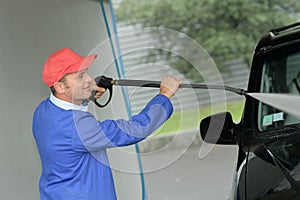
78,86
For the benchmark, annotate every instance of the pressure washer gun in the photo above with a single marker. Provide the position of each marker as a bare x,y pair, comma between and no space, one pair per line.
107,83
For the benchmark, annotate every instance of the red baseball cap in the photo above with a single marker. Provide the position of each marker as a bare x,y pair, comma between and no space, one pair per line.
62,62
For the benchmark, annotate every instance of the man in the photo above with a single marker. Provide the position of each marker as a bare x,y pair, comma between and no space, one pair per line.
72,143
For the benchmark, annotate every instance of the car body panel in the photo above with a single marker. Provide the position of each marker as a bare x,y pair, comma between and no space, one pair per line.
268,138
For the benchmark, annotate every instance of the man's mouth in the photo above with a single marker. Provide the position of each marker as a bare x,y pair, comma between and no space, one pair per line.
87,88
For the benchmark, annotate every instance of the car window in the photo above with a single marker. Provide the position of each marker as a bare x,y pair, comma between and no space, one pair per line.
281,74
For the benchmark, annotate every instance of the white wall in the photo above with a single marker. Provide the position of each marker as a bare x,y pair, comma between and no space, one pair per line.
29,31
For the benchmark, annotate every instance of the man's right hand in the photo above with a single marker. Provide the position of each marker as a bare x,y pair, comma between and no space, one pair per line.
169,86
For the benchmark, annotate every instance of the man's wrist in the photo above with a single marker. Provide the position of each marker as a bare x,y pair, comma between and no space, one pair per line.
167,94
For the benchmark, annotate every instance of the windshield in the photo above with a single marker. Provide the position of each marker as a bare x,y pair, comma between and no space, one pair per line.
281,74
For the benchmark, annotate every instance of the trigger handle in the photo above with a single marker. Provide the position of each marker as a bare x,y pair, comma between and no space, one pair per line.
104,82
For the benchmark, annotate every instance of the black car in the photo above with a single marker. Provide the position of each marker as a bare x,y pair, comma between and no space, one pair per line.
268,138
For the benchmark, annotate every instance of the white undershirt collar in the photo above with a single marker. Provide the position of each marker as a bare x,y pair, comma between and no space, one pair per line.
66,105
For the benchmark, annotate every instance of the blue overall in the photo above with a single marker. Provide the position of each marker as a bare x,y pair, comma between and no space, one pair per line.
72,146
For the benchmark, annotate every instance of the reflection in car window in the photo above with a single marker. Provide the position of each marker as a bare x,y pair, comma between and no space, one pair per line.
281,74
287,150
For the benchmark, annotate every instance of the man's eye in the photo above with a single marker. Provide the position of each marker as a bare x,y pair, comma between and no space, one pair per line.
81,76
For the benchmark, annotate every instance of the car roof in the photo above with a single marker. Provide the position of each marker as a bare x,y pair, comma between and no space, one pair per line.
279,36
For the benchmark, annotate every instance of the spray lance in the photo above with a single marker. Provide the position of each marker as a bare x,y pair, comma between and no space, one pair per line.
107,83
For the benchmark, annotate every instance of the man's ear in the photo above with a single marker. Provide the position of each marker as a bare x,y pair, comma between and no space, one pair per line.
59,87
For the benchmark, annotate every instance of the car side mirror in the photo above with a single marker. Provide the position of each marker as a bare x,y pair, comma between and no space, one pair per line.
218,129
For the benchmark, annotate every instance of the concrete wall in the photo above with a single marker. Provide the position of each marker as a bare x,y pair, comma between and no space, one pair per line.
29,31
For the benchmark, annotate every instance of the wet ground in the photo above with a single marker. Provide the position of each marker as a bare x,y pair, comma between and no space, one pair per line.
178,174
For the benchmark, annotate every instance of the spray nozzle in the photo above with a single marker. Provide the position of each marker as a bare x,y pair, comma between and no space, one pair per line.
243,92
236,90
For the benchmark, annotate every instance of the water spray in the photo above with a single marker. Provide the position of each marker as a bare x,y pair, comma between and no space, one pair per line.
107,83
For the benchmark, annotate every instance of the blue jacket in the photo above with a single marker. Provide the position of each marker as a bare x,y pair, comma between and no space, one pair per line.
72,146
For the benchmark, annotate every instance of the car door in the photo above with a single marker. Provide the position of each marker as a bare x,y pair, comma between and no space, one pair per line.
271,168
271,171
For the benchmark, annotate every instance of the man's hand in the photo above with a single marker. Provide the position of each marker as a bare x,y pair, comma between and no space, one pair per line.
99,92
169,86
